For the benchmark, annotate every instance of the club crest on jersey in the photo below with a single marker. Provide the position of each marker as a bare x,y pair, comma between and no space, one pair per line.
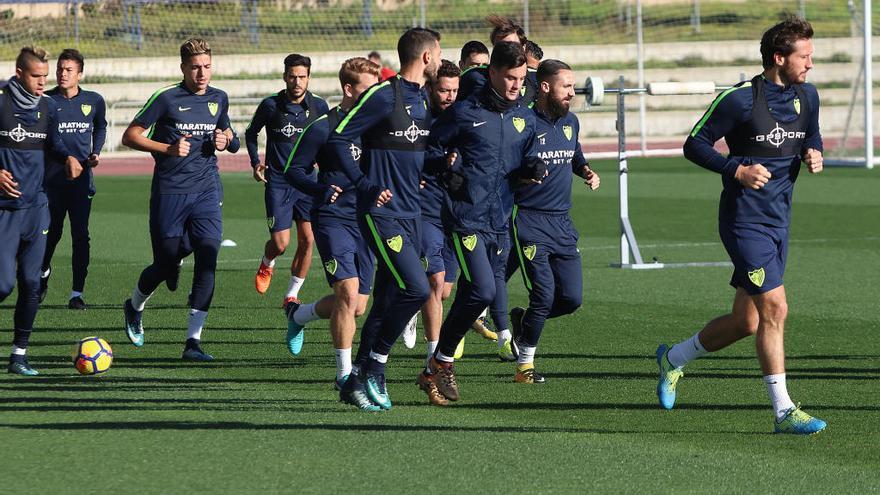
86,109
519,124
797,106
469,241
213,107
522,91
568,131
270,221
757,277
331,266
395,243
529,251
424,262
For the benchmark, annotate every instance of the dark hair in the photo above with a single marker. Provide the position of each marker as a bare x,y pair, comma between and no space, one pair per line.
30,54
471,47
550,68
414,42
297,60
782,37
72,54
533,49
503,27
448,69
507,55
374,54
192,47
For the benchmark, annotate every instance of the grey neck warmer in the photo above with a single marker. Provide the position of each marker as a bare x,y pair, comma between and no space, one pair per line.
20,96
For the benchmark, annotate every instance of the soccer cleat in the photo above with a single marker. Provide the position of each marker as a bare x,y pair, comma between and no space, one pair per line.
516,318
481,326
338,383
443,377
377,391
669,376
77,303
44,284
508,351
134,328
459,349
193,352
409,333
525,373
263,278
172,281
21,367
797,422
294,330
353,393
427,385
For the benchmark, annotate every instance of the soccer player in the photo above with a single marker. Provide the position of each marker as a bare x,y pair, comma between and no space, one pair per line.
544,235
393,122
473,54
284,115
83,127
28,127
494,134
385,72
771,125
189,123
347,260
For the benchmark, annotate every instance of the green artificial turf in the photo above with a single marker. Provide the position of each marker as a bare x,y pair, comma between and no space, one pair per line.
259,421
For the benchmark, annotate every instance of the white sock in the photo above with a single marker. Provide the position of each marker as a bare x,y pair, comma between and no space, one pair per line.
443,358
74,293
268,262
294,286
46,273
196,322
18,351
484,313
138,300
382,358
343,362
526,355
504,336
686,351
305,313
778,394
431,347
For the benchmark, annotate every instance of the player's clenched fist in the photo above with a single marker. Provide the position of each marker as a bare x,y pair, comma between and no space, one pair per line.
180,147
752,176
591,178
813,159
221,140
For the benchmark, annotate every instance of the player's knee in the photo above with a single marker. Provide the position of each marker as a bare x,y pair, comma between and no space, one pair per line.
775,311
747,325
483,294
279,245
569,303
6,287
420,290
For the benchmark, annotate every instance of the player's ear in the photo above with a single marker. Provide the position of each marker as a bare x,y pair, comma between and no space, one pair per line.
779,59
545,87
346,89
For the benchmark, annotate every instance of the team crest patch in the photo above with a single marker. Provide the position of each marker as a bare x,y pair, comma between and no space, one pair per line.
469,241
757,277
424,263
522,91
519,124
797,106
530,251
86,109
213,107
270,221
395,243
331,266
568,131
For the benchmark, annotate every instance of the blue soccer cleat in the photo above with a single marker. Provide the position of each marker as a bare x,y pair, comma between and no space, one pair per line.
193,351
21,367
669,376
338,383
376,390
294,330
134,327
797,422
353,393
